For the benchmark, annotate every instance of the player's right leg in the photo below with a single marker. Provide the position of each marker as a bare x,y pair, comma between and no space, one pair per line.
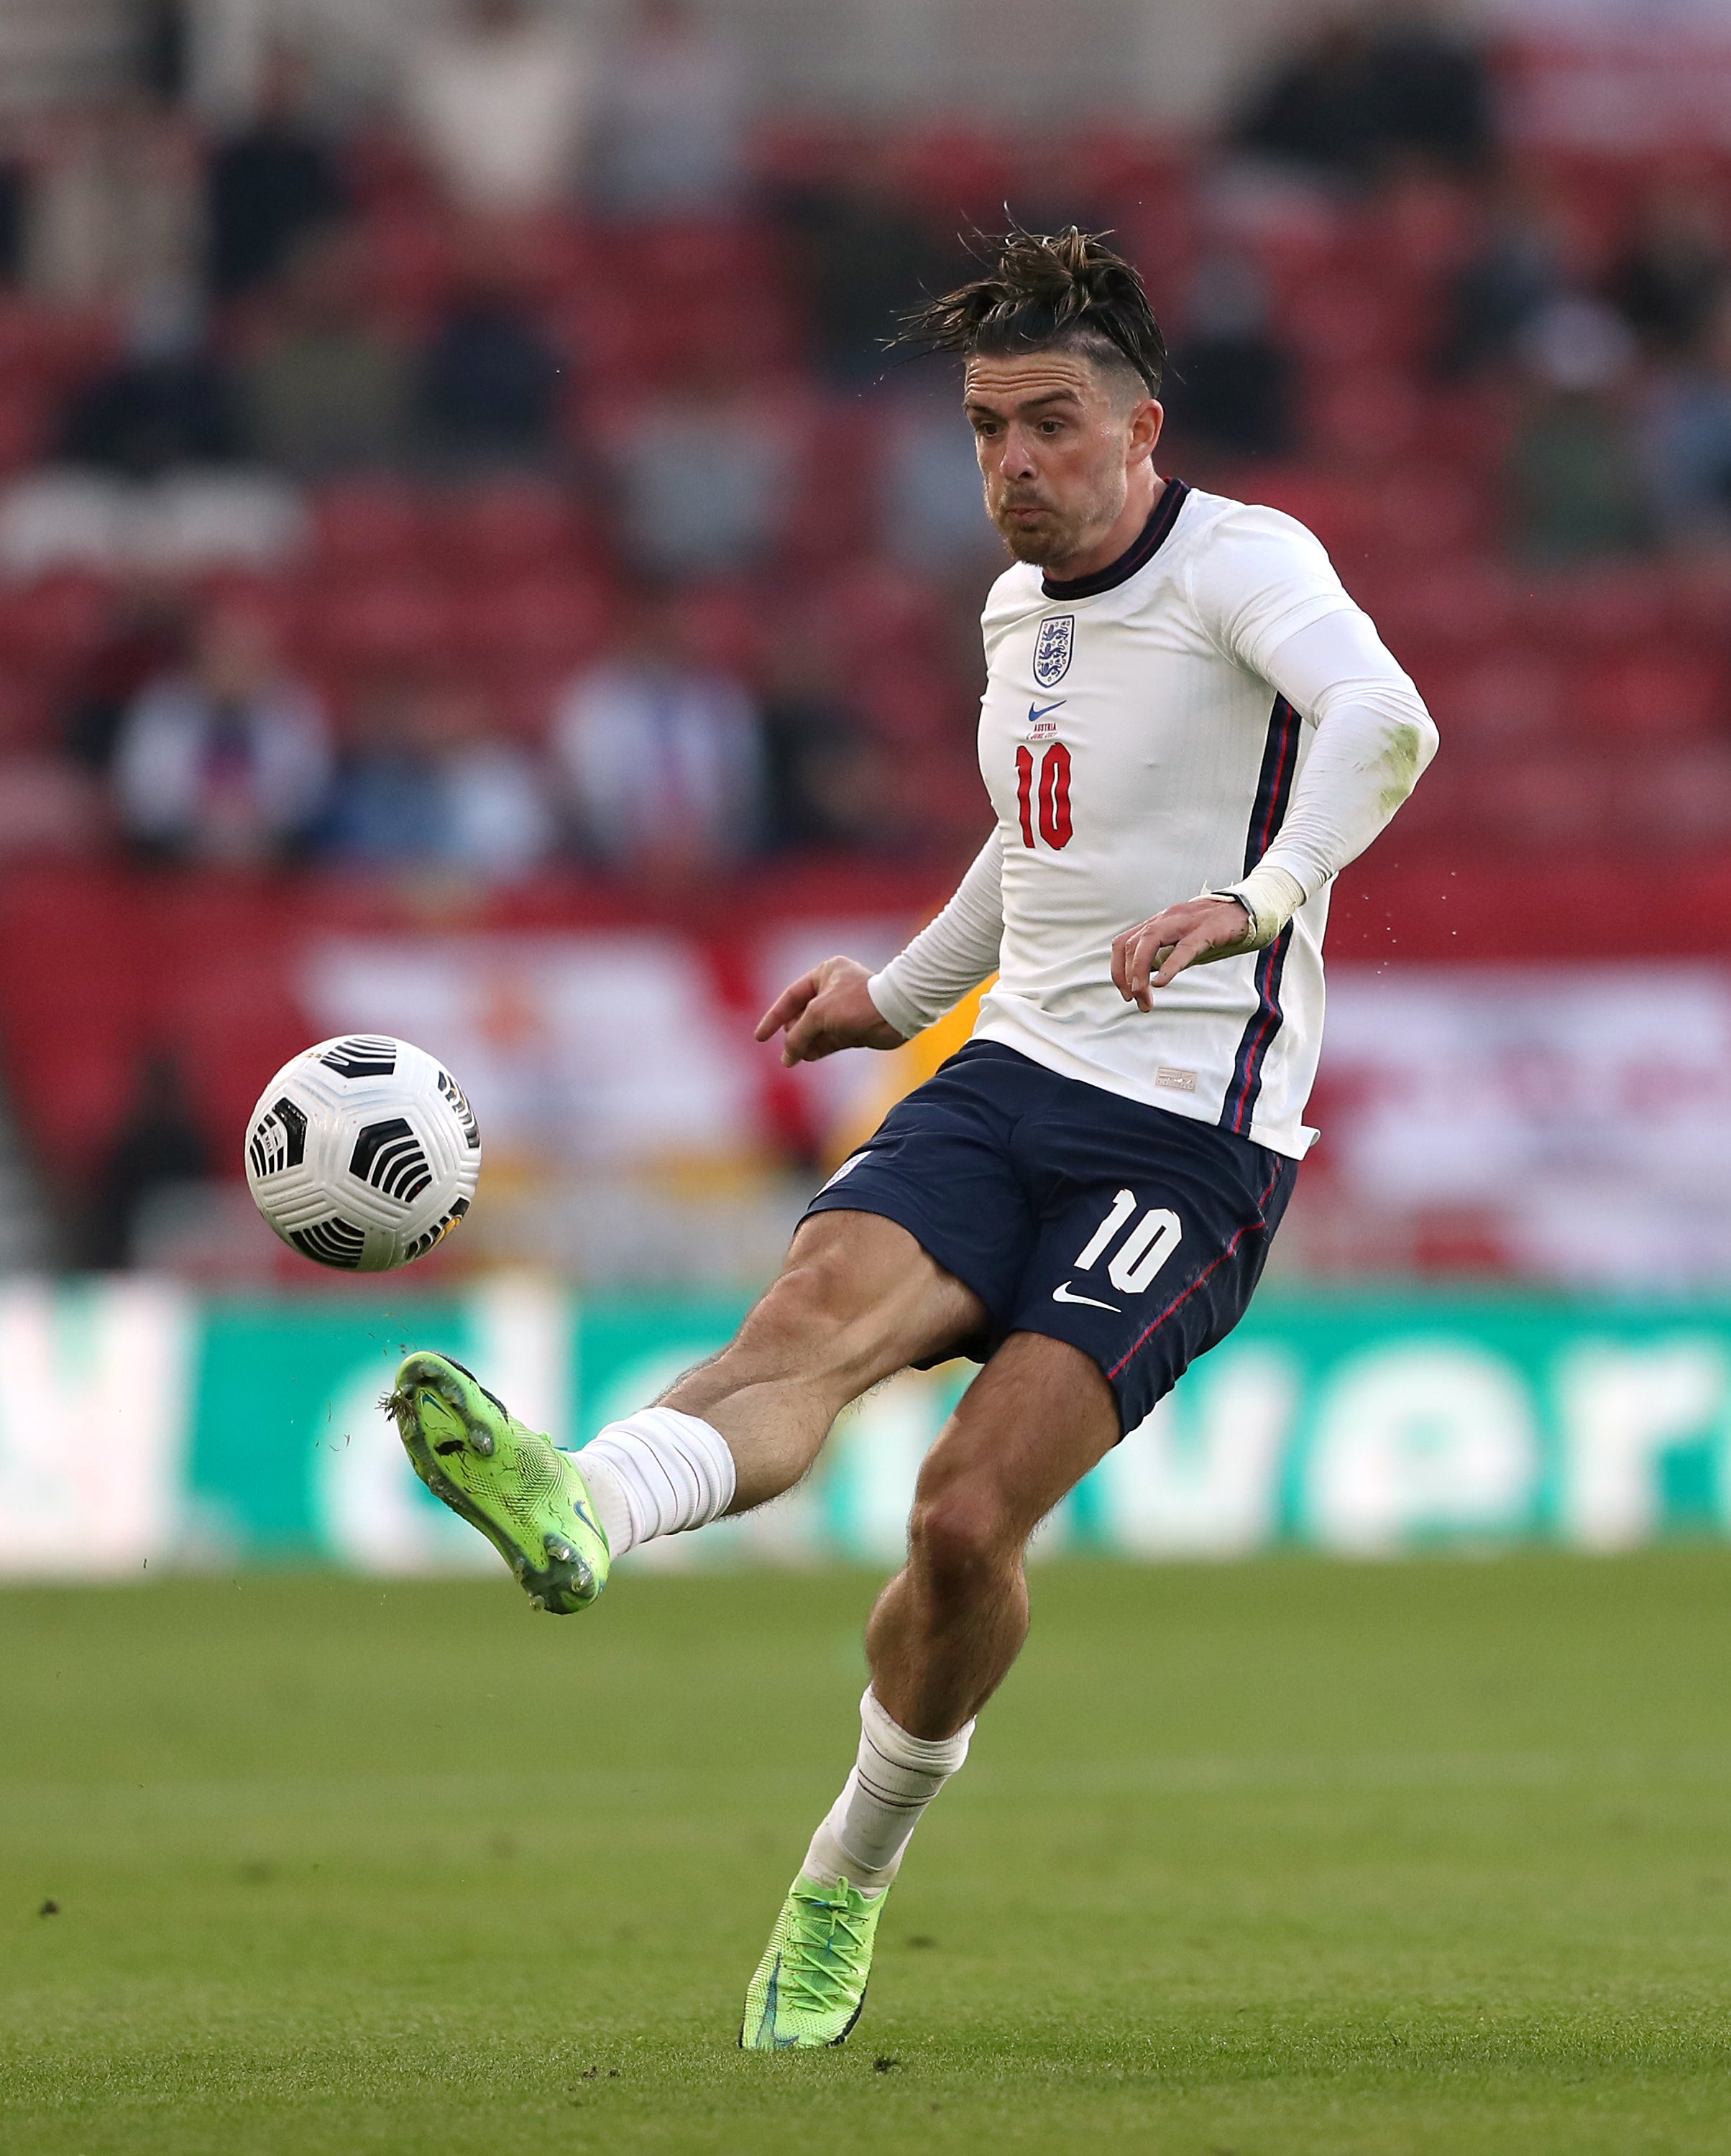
857,1300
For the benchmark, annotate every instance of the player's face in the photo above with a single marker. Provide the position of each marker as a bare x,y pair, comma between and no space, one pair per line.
1057,440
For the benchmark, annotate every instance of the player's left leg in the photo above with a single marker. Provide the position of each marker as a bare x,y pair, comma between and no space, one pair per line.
857,1299
940,1641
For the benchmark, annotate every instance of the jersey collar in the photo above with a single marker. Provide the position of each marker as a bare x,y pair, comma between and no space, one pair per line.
1141,551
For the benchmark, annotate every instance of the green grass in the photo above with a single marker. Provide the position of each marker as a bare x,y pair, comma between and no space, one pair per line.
1290,1857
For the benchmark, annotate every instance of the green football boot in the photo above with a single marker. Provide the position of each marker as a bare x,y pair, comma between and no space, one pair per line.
528,1498
810,1985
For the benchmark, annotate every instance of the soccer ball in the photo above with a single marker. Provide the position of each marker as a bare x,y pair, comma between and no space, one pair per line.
364,1153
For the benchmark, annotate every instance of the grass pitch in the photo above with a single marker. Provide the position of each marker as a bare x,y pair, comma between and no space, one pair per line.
1289,1858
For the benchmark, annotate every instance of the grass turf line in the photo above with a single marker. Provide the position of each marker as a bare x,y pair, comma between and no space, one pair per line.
1288,1859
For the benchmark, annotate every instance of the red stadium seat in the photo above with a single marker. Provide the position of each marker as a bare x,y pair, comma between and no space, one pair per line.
383,171
1550,800
385,619
411,262
962,174
873,607
46,627
726,626
27,420
1340,510
1657,694
1683,799
1618,604
366,525
1338,322
506,524
531,622
707,254
1462,602
1511,695
1367,415
911,704
1426,511
273,601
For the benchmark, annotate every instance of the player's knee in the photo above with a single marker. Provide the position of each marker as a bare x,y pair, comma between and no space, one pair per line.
961,1535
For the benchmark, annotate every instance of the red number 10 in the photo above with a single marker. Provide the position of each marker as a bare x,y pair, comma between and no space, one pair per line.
1054,824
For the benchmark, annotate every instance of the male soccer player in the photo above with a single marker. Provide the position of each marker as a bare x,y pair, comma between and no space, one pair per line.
1188,730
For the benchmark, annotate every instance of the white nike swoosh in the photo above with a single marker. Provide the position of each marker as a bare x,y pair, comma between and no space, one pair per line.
1063,1295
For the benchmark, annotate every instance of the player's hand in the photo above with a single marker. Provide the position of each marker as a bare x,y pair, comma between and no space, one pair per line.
1153,956
826,1010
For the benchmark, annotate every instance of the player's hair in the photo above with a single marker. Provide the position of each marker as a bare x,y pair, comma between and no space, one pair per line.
1064,290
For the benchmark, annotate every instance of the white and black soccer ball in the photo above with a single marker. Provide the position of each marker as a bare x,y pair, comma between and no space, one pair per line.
363,1152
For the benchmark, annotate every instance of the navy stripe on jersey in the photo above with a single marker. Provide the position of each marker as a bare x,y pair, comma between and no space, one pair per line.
1274,782
1274,789
1141,551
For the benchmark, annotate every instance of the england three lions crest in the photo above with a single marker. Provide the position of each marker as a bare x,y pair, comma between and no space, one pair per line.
1052,648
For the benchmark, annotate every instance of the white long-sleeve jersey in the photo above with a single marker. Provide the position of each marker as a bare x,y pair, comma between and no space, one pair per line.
1212,703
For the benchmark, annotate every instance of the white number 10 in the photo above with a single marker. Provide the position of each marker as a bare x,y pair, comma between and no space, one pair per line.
1142,1252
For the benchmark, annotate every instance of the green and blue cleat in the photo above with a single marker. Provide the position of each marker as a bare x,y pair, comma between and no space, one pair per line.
810,1985
528,1498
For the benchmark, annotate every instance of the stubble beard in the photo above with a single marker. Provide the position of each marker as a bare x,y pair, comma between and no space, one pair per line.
1058,535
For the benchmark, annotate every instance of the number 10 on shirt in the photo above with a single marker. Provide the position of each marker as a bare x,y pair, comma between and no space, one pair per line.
1055,825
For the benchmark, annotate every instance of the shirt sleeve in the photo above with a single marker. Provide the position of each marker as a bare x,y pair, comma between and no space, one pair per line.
1373,739
951,955
1257,579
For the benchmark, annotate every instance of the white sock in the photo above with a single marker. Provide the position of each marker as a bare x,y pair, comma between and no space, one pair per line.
895,1777
658,1472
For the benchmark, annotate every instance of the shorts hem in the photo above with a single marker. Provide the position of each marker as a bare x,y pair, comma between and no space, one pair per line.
1036,1322
952,1258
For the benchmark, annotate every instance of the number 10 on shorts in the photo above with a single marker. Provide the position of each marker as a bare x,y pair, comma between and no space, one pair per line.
1142,1253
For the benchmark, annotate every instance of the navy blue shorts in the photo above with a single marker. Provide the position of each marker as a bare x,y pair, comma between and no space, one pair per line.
1137,1236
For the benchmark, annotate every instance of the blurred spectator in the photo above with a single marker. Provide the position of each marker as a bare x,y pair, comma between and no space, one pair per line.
114,205
268,185
489,388
671,132
1233,385
163,47
1362,93
1669,280
1503,286
826,785
1576,484
14,201
929,481
157,1149
166,401
867,255
499,102
429,788
386,800
145,638
1316,109
227,761
1688,438
664,759
328,391
702,475
499,820
1432,88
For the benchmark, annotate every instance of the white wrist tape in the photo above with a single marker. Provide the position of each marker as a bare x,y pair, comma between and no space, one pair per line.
1271,896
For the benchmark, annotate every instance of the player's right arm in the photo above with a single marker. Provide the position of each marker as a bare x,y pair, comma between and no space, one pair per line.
829,1008
839,1004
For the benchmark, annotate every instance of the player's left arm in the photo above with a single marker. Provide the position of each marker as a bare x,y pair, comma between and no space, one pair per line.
1373,738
